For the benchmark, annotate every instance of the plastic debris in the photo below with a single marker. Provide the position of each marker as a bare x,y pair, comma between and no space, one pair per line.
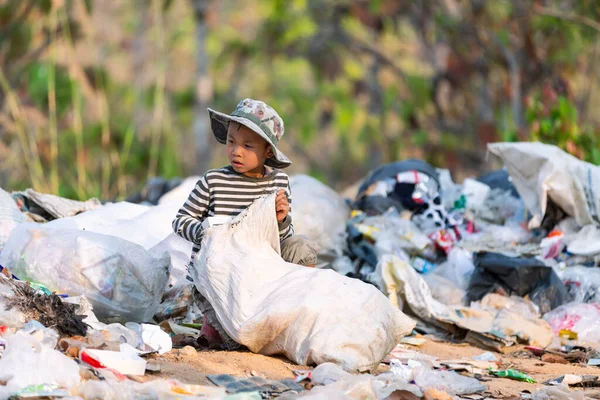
446,381
512,374
121,279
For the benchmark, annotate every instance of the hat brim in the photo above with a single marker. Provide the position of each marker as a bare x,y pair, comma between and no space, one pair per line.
219,123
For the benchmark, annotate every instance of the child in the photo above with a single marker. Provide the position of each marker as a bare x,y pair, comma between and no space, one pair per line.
250,135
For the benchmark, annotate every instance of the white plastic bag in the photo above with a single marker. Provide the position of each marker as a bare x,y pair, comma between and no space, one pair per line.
27,362
541,172
119,278
584,319
458,268
311,316
319,213
146,226
10,217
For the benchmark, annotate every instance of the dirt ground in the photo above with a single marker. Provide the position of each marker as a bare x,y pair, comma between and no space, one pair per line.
190,366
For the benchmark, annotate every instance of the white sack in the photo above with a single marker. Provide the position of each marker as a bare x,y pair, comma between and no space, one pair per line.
120,278
180,194
319,213
311,316
10,216
146,226
541,172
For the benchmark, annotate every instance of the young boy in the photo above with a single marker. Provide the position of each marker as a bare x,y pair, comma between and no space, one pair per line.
250,135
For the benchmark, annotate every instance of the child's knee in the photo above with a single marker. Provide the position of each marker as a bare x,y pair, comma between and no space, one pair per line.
299,250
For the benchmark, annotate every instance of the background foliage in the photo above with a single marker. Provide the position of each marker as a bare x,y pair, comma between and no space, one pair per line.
98,96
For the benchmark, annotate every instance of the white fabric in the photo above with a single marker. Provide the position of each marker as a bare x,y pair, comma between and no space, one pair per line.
311,316
541,172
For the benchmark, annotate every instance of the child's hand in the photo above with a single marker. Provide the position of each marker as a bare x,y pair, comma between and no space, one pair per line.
282,206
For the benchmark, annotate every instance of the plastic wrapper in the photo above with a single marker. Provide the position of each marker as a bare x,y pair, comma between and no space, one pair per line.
458,268
445,291
319,213
10,217
447,381
582,283
121,279
26,361
583,319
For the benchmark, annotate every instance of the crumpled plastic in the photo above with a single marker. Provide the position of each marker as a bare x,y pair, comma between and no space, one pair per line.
339,384
27,361
121,279
10,217
319,213
581,318
488,324
543,173
274,307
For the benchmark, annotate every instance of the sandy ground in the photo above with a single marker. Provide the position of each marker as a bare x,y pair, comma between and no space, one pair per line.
190,366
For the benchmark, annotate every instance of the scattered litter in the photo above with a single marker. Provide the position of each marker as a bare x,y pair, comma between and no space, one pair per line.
575,381
235,385
447,381
512,374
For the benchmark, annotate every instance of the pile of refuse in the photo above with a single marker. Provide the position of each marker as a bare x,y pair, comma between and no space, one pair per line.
90,291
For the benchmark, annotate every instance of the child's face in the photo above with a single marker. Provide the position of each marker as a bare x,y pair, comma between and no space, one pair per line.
246,150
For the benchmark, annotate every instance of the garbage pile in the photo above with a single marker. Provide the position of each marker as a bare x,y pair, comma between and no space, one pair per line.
505,262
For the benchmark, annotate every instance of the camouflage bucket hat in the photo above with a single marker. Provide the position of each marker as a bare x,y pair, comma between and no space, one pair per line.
260,118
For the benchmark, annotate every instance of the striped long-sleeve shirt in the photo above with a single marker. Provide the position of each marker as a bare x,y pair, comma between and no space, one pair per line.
224,192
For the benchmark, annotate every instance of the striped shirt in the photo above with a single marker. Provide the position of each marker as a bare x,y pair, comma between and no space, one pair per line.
224,192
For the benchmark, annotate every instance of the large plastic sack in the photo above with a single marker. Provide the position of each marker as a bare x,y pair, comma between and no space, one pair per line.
146,226
180,194
121,279
107,215
542,172
273,307
10,217
319,213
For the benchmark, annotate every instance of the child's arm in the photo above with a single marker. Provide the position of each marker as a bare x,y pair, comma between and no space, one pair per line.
188,222
286,228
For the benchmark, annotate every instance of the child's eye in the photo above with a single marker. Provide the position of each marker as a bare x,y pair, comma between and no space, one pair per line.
229,141
248,146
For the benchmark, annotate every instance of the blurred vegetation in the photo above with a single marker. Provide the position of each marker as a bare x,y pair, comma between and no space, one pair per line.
98,96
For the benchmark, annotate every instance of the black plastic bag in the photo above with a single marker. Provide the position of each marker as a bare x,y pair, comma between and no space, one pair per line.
518,276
